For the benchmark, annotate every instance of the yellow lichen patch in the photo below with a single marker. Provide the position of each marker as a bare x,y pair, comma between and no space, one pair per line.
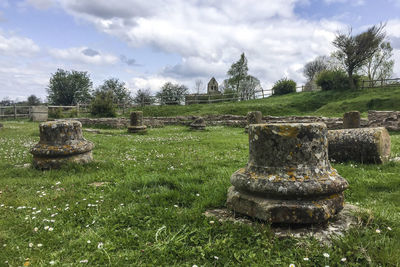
332,196
289,131
310,213
241,170
299,145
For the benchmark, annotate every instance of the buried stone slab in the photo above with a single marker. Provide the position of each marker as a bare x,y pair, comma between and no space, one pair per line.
136,123
364,145
324,232
198,124
288,178
61,142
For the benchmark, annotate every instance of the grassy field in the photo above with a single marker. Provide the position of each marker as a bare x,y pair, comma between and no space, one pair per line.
141,203
327,103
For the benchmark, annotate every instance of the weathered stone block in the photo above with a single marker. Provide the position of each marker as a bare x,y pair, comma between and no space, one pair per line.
364,145
288,178
40,113
351,119
198,124
136,123
253,117
388,119
61,142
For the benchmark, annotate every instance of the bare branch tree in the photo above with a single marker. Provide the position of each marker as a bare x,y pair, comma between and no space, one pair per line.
198,86
354,51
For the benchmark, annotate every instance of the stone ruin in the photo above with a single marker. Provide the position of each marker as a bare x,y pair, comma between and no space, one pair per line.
40,113
212,87
61,142
288,178
198,124
253,117
351,119
136,123
364,145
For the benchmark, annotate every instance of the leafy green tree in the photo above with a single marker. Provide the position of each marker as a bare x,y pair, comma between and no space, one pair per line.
120,93
237,74
240,81
143,97
355,51
69,87
33,100
172,94
102,105
380,65
284,86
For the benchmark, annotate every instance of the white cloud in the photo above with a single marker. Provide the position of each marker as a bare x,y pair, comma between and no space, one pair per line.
17,46
152,82
39,4
352,2
83,55
210,35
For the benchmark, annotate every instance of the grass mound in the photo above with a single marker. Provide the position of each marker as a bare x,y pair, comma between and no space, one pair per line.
322,103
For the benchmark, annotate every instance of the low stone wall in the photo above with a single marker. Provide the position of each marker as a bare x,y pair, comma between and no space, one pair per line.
388,119
104,122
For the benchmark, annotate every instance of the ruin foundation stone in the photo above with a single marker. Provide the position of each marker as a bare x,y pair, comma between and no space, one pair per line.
40,113
198,124
364,145
388,119
61,142
288,178
351,119
253,117
136,123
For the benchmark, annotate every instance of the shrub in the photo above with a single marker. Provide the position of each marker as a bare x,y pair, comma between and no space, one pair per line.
336,80
284,86
172,94
102,105
56,113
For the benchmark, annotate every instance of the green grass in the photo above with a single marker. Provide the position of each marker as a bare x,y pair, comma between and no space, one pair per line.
150,211
327,103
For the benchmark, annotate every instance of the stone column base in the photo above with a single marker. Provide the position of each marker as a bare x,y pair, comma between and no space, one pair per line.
45,163
285,211
137,129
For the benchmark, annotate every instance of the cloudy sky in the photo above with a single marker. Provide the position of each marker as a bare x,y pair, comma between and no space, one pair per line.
146,43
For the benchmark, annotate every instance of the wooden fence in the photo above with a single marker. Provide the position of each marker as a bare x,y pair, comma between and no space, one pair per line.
395,82
15,112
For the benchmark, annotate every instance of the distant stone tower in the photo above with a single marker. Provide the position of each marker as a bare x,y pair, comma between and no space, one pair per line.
212,87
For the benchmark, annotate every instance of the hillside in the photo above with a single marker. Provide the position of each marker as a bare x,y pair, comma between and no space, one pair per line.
328,103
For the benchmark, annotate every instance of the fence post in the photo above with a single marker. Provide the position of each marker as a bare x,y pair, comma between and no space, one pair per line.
77,109
209,96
